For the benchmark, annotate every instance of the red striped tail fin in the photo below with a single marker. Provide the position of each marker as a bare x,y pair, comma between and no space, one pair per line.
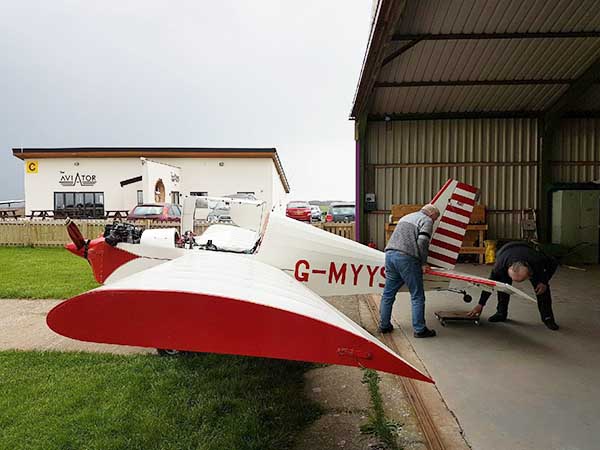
455,202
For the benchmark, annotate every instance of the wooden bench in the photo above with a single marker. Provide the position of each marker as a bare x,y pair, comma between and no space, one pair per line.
476,230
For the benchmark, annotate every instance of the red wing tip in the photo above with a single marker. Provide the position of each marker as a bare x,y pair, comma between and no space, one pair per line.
105,316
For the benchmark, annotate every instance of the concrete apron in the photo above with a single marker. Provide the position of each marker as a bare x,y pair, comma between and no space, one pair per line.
345,400
517,384
23,327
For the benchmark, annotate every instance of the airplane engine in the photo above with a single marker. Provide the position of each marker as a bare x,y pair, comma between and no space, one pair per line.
160,237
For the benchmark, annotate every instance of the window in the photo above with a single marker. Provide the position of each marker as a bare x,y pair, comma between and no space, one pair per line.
83,205
175,197
140,197
89,200
199,194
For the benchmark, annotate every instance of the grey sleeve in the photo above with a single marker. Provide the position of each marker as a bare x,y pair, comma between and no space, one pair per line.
423,238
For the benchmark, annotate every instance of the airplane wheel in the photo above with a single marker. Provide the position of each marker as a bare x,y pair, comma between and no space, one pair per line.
168,352
467,298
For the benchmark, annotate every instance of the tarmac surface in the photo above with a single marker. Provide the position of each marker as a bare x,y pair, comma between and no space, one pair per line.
518,385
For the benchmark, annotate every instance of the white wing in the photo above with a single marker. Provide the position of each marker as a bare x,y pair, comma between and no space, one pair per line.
223,303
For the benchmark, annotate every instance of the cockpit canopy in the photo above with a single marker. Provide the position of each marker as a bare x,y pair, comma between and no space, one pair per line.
234,224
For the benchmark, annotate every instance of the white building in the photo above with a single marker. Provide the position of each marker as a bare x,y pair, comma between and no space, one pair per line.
91,181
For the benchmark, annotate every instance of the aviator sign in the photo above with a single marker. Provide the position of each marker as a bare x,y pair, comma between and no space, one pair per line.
79,178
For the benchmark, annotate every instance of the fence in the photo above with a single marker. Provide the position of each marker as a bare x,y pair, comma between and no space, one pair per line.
53,233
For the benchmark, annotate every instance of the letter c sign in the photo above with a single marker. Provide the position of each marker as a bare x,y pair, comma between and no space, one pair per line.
31,166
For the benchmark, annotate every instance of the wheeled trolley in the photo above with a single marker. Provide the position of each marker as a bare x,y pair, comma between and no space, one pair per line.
455,316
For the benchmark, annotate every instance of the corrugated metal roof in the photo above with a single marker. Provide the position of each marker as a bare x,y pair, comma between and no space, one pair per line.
506,59
494,16
435,99
478,56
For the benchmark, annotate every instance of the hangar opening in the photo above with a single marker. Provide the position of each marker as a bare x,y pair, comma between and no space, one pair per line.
501,95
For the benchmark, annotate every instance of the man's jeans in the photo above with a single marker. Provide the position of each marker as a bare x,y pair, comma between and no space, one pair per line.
400,269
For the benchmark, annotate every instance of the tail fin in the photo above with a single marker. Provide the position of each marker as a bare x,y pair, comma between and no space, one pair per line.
455,202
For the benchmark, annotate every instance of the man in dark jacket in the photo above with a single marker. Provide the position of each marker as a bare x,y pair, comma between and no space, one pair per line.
517,261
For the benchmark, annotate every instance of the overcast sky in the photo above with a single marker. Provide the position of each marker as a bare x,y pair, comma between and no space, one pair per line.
185,73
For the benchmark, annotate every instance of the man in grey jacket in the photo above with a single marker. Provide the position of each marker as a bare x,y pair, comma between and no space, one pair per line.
405,262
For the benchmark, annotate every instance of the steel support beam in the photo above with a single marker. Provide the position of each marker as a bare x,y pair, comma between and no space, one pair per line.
360,136
479,36
454,115
389,58
451,83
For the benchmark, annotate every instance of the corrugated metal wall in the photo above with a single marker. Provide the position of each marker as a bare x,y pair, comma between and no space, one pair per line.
576,157
408,162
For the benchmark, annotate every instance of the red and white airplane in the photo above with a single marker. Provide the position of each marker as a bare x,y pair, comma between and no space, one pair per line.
251,287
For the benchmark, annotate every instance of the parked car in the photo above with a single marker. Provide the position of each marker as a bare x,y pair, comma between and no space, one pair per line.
315,213
299,211
168,212
341,212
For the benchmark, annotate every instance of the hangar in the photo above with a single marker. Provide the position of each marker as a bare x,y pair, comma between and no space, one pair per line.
501,94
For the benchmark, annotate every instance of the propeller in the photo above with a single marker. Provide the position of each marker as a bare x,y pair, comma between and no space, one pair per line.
75,234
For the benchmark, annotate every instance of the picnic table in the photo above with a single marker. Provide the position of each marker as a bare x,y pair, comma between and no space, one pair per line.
116,214
10,213
42,214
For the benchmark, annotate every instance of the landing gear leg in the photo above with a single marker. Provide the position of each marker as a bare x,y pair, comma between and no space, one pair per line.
466,297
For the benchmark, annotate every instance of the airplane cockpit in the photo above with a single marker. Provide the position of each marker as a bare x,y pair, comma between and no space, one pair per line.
223,223
226,224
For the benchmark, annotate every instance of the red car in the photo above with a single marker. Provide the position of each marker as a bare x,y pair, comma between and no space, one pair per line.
299,211
167,212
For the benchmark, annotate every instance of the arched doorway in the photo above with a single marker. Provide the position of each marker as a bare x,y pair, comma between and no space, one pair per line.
159,191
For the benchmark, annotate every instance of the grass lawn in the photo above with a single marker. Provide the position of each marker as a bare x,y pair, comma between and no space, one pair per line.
51,400
43,273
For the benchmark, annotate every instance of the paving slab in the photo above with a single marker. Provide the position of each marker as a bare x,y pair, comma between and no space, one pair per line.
346,401
23,327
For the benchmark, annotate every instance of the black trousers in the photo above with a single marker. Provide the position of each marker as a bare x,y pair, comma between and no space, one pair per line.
544,302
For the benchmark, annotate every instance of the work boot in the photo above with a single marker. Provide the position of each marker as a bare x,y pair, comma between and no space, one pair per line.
551,324
385,330
425,333
497,318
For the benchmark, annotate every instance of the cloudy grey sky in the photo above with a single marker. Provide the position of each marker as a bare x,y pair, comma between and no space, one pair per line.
261,73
